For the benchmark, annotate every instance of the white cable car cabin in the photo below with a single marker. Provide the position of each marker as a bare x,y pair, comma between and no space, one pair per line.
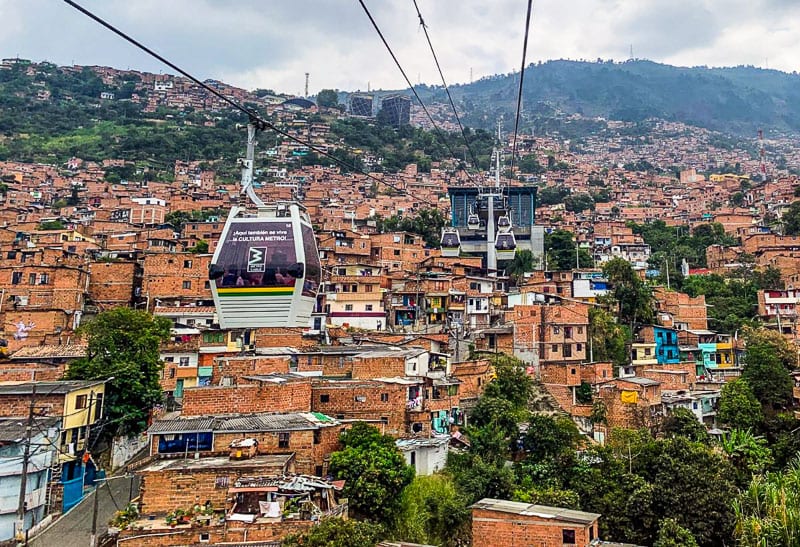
506,245
473,222
266,270
451,243
504,223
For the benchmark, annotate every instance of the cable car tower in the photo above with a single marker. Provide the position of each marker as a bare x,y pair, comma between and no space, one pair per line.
265,271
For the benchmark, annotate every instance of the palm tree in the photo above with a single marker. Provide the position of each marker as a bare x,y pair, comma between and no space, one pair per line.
522,263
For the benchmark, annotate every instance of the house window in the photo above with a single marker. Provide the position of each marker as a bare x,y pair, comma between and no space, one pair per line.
324,398
204,537
44,279
348,307
568,332
16,278
214,337
567,350
283,440
568,537
554,349
580,330
317,436
579,347
207,285
397,252
187,263
368,307
384,397
184,362
360,398
556,329
80,402
187,284
367,288
32,279
172,373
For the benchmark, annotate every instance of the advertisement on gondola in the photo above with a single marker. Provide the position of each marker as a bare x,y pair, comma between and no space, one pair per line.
259,254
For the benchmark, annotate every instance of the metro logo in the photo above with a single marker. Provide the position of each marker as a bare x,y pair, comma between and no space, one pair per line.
256,257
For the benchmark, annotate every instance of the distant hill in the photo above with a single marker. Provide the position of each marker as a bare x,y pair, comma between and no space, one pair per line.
736,100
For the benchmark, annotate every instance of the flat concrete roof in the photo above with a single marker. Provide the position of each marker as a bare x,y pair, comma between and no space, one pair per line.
532,510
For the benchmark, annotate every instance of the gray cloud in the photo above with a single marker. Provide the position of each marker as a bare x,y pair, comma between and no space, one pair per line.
273,43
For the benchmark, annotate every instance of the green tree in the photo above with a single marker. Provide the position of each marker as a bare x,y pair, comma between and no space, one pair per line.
523,263
560,249
767,376
578,203
791,219
550,438
608,338
633,298
328,98
672,534
123,344
51,225
374,470
682,422
748,454
433,511
738,407
337,532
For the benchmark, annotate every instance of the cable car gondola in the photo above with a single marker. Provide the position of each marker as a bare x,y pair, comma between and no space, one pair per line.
451,243
504,223
473,221
506,245
266,270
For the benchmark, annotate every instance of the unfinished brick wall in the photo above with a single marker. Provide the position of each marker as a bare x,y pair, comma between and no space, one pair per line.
238,367
112,283
231,533
290,396
304,444
378,367
368,401
21,372
170,276
473,375
501,529
19,405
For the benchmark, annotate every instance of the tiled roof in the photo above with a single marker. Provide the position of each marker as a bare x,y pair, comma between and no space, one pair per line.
51,351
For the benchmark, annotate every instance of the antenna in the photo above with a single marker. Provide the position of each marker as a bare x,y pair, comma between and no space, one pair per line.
631,57
306,95
470,75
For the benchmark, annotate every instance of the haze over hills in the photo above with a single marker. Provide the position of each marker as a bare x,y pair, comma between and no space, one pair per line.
735,100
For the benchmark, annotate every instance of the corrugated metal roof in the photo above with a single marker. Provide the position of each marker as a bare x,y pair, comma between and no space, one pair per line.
242,423
541,511
59,387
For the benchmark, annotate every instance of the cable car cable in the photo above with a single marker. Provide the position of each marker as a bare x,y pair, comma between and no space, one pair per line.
256,119
446,88
521,79
439,132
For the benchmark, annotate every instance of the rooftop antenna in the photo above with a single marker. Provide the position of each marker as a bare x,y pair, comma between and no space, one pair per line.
306,95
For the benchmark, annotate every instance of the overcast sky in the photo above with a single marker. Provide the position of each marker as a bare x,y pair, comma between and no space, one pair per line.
272,43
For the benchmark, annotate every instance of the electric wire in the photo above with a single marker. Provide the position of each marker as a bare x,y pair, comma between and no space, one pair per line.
254,117
436,128
521,80
446,88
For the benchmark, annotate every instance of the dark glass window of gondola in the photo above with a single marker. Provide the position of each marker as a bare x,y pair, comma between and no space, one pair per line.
258,254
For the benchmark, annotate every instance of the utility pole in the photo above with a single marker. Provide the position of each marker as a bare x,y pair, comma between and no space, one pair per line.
26,455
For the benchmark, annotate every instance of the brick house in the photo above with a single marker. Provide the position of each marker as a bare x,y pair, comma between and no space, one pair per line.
176,278
631,403
310,437
502,523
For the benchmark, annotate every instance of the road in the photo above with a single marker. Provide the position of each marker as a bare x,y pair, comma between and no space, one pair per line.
74,529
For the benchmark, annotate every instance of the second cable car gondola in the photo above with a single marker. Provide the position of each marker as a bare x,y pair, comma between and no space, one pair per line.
473,221
450,243
505,245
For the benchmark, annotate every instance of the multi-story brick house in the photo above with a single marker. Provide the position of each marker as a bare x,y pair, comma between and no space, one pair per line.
354,296
176,279
43,294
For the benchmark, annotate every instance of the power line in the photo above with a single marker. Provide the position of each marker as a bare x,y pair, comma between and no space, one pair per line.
444,83
436,128
521,79
257,120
